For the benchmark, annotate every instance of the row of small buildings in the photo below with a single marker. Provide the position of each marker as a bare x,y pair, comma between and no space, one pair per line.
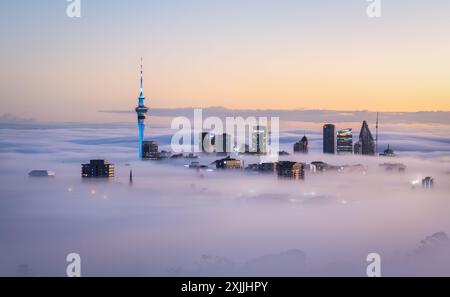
283,169
286,169
295,170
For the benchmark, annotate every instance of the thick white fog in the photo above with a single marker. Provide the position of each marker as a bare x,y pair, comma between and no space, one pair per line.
176,221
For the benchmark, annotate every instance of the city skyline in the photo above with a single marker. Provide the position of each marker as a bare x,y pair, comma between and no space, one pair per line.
269,56
275,139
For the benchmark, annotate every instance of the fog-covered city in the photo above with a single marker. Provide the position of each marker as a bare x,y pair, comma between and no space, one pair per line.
178,221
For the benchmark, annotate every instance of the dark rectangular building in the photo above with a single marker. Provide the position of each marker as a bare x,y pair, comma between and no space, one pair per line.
263,167
228,163
224,144
328,139
293,170
207,142
150,150
97,168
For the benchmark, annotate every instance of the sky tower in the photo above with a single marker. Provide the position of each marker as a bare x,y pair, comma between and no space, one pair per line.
141,110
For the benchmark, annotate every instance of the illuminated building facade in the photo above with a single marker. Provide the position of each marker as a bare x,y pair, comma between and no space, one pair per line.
344,141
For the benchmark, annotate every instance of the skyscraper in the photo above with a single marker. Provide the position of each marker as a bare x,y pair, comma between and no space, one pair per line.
141,110
344,141
328,139
366,141
206,143
301,146
224,144
97,168
259,140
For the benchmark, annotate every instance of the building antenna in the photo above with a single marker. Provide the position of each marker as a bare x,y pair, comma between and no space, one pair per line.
376,137
142,74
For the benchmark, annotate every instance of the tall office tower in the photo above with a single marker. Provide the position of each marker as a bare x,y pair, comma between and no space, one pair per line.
288,169
150,150
366,140
206,142
344,141
97,168
328,139
301,146
223,144
141,110
259,140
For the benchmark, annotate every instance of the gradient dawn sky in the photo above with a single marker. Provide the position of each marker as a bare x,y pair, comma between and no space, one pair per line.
278,54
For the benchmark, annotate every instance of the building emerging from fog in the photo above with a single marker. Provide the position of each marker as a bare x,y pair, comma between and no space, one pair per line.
223,144
301,146
228,163
427,182
150,150
366,143
328,139
206,142
393,167
262,167
41,173
259,140
344,141
288,169
388,152
141,110
97,168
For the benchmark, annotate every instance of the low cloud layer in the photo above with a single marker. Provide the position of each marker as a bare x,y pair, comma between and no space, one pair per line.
307,115
176,221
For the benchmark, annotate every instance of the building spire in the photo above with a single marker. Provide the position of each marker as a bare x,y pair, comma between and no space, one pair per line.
142,75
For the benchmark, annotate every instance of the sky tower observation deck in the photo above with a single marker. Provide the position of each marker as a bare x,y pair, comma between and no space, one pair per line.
141,111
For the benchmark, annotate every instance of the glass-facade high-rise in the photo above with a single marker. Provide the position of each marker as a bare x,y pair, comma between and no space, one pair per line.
224,144
259,140
301,146
367,143
344,141
328,139
206,142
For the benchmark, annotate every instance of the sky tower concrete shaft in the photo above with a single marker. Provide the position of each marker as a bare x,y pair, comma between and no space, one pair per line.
141,111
